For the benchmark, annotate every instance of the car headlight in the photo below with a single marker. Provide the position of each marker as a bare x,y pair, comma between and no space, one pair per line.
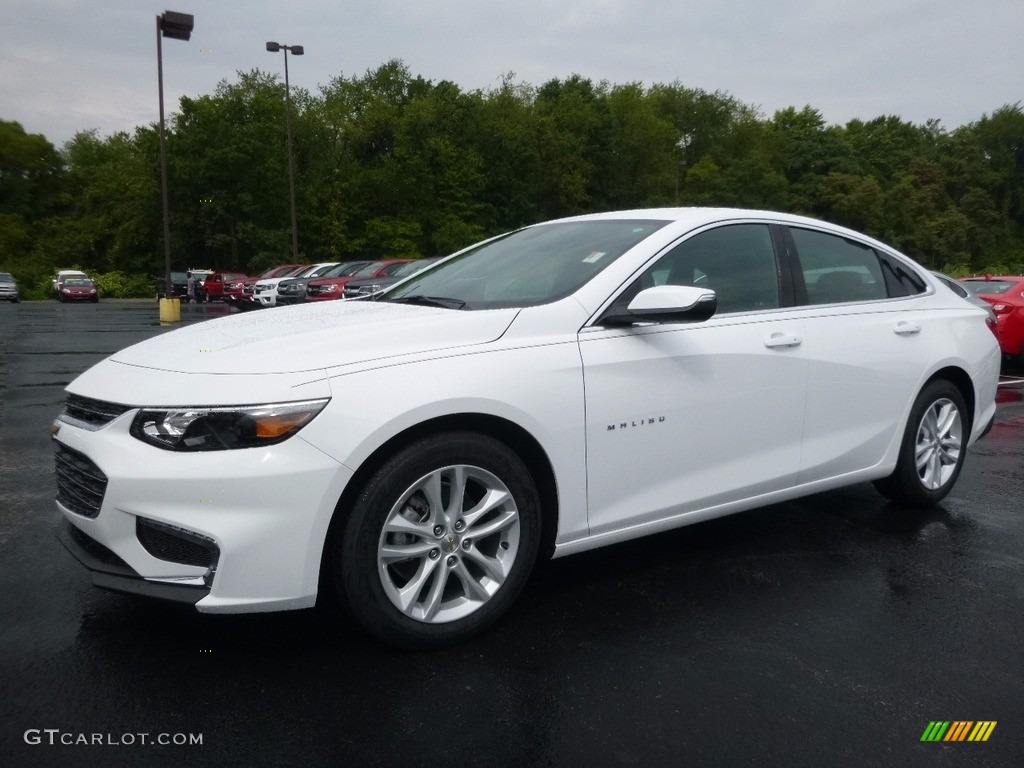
218,429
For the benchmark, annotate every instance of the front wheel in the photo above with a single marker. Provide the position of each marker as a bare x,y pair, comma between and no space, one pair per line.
933,449
439,542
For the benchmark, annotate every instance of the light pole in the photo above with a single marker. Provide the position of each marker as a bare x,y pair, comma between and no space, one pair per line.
682,144
296,50
177,26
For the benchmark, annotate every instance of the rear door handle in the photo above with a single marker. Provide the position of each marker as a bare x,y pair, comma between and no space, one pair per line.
905,328
778,339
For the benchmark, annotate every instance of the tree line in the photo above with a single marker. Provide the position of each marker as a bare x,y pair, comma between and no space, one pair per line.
392,165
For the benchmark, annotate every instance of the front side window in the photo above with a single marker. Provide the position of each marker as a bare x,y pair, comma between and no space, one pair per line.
736,261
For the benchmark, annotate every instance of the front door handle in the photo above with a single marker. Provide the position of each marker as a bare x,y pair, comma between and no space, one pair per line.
905,328
778,339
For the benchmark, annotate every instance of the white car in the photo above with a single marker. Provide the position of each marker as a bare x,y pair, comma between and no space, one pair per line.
265,291
566,386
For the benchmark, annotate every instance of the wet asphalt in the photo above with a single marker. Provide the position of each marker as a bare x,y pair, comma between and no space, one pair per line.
828,631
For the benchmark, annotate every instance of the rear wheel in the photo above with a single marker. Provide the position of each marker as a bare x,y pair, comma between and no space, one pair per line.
933,449
439,542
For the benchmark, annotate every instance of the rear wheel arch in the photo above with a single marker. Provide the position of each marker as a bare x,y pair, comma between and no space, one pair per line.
934,441
959,378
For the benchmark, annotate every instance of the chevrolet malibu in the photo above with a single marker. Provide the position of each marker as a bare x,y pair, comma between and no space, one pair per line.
563,387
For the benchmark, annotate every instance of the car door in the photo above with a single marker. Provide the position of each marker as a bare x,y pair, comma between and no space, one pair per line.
867,339
681,417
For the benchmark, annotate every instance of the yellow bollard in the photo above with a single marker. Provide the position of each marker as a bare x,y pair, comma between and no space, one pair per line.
170,310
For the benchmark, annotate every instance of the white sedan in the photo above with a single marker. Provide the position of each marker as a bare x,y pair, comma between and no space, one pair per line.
566,386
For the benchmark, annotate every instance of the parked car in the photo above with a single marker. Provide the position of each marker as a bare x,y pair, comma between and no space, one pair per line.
331,288
62,276
292,290
1006,295
9,288
78,289
240,293
969,297
368,286
215,283
179,283
563,387
265,290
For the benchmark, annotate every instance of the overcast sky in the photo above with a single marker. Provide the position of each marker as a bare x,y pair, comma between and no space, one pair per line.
72,65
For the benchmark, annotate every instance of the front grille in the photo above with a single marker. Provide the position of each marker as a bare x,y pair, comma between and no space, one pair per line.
175,545
93,412
80,483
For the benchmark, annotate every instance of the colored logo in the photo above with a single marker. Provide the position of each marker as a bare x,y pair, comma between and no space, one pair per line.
958,730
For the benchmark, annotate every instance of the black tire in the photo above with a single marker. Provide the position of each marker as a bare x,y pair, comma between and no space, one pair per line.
923,487
452,569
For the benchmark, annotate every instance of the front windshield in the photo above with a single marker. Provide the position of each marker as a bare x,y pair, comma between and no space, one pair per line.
78,282
345,269
532,266
369,269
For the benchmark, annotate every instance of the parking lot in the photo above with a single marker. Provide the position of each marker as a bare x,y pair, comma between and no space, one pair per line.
825,631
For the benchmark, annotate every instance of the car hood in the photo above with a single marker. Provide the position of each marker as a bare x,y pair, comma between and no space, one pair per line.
314,338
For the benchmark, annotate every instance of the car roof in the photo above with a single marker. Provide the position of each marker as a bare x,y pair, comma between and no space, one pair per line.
687,219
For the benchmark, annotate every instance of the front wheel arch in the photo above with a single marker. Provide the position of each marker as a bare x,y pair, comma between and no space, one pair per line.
521,442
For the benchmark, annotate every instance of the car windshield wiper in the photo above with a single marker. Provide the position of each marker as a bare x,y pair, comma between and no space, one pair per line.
431,301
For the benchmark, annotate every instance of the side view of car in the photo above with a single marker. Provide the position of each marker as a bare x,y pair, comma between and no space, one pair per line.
332,288
215,283
369,286
563,387
1006,295
9,288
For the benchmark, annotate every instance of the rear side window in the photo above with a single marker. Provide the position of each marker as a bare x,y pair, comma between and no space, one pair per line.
837,270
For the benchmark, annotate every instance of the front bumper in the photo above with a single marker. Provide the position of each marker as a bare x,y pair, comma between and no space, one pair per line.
263,514
111,572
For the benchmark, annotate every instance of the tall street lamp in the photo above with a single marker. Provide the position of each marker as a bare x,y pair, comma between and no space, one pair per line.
296,50
177,26
682,144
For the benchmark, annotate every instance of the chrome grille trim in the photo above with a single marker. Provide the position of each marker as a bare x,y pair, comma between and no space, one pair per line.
91,414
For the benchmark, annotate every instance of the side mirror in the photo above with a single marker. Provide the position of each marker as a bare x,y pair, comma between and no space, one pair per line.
665,304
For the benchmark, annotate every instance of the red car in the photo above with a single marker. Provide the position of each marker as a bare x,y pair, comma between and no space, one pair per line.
78,289
328,288
1006,295
216,282
239,293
